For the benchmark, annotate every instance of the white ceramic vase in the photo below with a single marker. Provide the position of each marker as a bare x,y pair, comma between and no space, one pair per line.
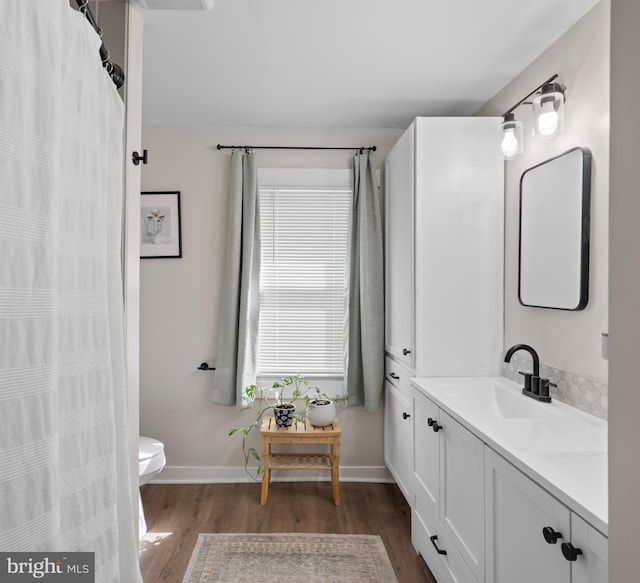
321,413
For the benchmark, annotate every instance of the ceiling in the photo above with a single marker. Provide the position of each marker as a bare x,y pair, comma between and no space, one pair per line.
340,63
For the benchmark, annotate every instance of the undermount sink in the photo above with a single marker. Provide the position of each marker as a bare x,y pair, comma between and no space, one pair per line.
513,405
497,406
492,397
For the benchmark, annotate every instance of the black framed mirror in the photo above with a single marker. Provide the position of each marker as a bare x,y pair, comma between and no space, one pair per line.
555,215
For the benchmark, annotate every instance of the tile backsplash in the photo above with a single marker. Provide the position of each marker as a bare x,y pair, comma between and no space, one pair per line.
583,393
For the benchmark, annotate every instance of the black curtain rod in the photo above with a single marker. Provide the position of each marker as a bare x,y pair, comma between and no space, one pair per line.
361,148
115,71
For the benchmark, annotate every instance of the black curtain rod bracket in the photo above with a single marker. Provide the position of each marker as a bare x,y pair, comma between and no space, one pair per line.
360,148
115,71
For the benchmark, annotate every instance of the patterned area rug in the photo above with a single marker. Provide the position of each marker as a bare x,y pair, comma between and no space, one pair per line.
283,558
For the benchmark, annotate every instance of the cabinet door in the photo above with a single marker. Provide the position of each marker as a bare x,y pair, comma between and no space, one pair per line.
426,452
462,491
516,511
459,247
398,439
399,192
592,565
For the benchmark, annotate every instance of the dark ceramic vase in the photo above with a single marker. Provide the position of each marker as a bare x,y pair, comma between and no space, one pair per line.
284,415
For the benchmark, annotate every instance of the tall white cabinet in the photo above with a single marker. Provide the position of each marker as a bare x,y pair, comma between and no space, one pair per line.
399,172
444,191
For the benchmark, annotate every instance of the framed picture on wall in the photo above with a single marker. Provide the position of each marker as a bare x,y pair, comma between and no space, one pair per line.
160,225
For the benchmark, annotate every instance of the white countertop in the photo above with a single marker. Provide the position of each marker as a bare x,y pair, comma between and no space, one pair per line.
558,446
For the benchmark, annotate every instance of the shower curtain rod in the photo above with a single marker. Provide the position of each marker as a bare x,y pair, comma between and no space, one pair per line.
115,71
361,148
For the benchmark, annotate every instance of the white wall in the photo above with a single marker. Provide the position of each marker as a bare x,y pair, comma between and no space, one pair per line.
624,432
570,341
179,297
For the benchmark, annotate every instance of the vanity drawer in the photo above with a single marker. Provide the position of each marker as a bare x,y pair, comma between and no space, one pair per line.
398,375
447,568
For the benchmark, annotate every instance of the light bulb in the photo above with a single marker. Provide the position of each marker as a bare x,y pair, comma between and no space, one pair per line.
510,136
548,122
548,110
509,143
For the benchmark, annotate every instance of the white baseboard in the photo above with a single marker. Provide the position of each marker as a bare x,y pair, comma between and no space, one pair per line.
221,475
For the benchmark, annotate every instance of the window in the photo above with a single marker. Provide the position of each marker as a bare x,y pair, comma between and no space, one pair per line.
304,226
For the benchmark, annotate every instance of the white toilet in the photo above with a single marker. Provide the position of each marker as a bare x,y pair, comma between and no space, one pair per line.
151,460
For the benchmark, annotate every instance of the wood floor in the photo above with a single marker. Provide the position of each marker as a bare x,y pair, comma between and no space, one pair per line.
177,513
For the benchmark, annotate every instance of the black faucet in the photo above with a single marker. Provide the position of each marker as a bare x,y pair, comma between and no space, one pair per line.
534,386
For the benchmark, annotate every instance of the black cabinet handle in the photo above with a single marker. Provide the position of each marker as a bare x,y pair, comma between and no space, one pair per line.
434,424
393,375
550,535
433,540
405,415
406,351
570,552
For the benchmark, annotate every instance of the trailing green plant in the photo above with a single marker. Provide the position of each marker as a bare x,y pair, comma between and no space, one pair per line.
283,393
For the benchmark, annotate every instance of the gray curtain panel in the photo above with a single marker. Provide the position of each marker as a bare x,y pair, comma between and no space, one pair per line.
365,352
239,306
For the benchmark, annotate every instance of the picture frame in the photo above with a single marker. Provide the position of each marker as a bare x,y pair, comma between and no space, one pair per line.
160,228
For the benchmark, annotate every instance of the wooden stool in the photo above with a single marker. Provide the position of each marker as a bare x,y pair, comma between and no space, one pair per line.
300,432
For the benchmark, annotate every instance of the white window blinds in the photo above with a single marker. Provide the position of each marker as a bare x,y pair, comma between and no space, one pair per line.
304,237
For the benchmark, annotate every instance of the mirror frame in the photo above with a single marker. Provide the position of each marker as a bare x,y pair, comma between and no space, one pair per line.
584,193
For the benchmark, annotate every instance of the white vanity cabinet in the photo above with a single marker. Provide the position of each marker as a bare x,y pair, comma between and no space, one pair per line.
448,514
398,427
490,492
444,184
517,511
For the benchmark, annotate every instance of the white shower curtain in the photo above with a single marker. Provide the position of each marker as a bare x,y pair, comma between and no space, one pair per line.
64,479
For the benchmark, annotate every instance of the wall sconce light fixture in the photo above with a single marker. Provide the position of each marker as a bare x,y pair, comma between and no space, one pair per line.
548,112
